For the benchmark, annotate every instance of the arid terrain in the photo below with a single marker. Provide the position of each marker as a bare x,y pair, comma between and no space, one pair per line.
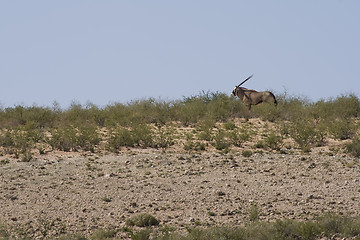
61,192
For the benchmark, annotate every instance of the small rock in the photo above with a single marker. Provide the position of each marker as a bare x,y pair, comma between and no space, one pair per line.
313,165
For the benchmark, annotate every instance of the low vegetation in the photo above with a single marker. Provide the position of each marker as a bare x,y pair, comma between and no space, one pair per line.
146,227
217,120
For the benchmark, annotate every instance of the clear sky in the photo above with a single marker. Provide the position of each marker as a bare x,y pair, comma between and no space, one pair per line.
121,50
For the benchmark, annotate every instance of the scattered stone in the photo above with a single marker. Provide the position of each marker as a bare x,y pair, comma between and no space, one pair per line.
312,165
280,187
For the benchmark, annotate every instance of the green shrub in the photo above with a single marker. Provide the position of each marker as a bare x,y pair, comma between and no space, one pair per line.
354,147
260,144
39,117
267,112
75,114
254,213
142,220
164,137
240,135
137,136
141,235
71,237
120,137
342,107
219,106
305,134
328,227
346,106
103,235
230,125
273,141
27,156
3,233
221,142
68,138
291,229
7,141
292,108
286,229
78,114
308,230
143,136
143,111
21,141
247,153
191,109
196,146
64,139
205,128
352,227
235,138
332,224
117,114
340,128
216,233
206,105
88,138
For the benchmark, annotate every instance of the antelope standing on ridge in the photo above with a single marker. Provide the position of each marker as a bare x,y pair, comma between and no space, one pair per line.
252,97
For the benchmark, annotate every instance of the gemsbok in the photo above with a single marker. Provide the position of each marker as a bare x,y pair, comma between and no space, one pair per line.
252,97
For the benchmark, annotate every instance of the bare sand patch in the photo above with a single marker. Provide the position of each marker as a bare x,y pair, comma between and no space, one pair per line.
78,193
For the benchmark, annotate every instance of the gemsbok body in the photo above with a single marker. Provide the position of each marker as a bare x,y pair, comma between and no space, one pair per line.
252,97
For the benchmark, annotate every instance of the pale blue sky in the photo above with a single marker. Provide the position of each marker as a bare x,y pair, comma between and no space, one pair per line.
118,51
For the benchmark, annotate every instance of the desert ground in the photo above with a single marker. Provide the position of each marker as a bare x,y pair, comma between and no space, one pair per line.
59,192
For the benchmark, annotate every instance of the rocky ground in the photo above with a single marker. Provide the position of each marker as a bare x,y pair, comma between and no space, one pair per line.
66,193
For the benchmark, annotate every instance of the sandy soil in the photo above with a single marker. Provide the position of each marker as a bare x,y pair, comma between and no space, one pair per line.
68,193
